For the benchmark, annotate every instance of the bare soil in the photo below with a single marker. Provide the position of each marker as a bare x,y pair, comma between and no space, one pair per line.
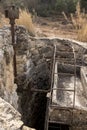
55,26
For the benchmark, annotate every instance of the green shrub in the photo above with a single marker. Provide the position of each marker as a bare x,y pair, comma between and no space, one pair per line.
68,6
45,7
84,4
43,10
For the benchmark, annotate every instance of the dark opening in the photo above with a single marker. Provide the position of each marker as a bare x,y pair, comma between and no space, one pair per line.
56,126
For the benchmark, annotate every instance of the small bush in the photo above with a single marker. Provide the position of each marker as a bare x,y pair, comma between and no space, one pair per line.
3,20
84,4
43,10
26,20
68,6
79,21
82,33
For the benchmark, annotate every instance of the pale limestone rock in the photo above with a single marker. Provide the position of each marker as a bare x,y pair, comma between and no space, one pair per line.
10,119
27,128
7,86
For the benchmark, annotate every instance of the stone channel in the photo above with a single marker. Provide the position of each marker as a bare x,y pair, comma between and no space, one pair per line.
34,71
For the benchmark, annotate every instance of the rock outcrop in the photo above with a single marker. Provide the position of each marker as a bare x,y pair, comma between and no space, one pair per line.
36,74
27,128
10,118
7,85
34,65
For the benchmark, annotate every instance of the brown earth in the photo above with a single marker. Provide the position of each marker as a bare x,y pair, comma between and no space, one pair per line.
55,26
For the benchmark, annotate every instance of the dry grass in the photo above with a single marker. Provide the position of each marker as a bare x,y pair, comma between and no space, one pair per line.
65,16
79,21
24,19
3,20
82,33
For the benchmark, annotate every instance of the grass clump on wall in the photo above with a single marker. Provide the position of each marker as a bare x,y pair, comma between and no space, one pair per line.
79,21
24,19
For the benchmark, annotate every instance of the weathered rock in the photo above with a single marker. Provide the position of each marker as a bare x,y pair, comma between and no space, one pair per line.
27,128
10,119
34,57
7,86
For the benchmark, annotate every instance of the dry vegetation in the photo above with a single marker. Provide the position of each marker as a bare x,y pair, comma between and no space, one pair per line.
3,20
24,19
79,21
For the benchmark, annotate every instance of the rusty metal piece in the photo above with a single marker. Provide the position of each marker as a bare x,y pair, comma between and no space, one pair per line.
12,12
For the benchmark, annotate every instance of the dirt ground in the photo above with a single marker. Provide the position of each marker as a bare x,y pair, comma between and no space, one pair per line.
55,27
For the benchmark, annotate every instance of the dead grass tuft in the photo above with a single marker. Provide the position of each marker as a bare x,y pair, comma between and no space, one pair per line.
82,33
79,21
3,20
24,19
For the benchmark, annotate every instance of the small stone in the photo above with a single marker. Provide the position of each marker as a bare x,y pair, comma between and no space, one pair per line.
27,128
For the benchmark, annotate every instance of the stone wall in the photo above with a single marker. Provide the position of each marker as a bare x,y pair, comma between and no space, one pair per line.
7,86
10,118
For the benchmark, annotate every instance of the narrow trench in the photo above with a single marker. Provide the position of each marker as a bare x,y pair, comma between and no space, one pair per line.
34,116
32,105
38,109
33,108
39,112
